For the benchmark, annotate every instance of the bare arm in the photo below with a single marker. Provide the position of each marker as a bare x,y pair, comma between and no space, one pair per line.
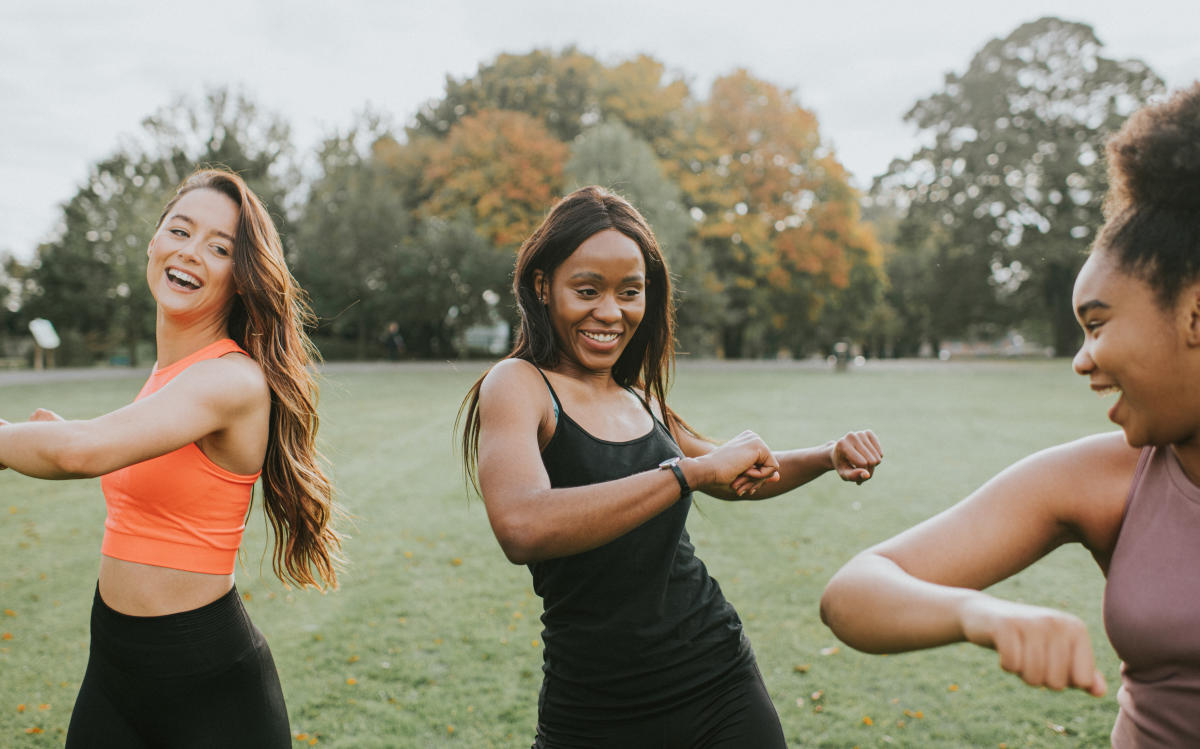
854,457
533,521
205,398
921,588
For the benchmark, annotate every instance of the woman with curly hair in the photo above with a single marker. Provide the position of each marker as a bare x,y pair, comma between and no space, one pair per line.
174,659
1132,497
587,476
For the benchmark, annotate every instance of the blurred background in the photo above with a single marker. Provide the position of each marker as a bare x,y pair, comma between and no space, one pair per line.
870,178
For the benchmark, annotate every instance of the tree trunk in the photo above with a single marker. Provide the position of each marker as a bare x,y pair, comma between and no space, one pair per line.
733,339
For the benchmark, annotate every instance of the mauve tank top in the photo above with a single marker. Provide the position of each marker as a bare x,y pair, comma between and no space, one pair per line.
1152,607
636,626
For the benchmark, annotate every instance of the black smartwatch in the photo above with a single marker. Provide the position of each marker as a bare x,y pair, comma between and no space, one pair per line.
672,464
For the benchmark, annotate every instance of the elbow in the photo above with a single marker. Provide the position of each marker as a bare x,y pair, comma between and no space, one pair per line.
519,542
844,618
75,458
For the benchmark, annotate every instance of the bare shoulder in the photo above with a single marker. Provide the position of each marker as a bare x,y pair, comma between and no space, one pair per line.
233,381
511,377
1089,481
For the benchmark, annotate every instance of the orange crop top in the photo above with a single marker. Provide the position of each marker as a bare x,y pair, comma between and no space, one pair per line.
179,510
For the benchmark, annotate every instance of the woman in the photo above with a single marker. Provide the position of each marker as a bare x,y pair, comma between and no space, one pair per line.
175,661
587,477
1132,500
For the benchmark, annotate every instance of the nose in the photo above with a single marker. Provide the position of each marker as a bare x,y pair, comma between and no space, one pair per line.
607,309
1082,363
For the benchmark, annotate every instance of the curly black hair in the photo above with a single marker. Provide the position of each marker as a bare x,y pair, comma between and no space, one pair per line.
1152,211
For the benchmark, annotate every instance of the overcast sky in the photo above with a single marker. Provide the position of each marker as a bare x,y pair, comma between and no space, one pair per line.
77,76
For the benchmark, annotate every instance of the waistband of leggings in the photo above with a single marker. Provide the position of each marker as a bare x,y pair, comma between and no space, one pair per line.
202,639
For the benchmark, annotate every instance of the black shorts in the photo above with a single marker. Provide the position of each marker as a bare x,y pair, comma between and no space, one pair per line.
200,678
737,713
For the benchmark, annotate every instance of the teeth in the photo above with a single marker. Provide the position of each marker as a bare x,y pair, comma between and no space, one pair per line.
602,337
1108,390
184,278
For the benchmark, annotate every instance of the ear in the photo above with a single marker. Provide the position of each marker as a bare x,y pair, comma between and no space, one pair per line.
541,286
1190,308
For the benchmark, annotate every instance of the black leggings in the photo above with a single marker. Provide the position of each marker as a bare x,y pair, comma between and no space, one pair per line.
737,714
197,679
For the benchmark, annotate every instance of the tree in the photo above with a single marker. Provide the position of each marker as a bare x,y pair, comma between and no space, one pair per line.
1004,201
557,89
353,221
777,217
90,280
500,169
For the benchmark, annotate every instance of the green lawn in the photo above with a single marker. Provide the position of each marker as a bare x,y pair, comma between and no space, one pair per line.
433,638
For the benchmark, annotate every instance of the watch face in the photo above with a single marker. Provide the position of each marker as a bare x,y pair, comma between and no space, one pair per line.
669,462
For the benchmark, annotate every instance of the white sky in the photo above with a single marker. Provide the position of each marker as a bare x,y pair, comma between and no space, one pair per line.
77,76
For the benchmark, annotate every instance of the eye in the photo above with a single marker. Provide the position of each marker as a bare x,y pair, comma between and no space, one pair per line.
586,291
220,250
179,233
632,293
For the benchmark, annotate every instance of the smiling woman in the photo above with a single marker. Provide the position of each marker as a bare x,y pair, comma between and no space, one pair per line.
174,660
1131,497
587,476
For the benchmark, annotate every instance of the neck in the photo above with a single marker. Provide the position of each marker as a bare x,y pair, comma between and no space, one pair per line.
1189,459
176,339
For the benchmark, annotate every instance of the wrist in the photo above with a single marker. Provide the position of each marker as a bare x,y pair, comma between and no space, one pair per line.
830,461
694,471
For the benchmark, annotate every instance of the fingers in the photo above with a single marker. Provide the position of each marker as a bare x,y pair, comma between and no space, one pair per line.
45,414
856,455
1044,647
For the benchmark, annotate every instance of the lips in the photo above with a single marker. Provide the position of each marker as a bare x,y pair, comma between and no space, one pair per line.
183,279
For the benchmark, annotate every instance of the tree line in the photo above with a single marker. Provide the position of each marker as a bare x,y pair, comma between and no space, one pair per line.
409,232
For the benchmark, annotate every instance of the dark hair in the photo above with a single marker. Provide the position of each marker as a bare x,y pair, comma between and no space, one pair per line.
648,360
1152,211
267,319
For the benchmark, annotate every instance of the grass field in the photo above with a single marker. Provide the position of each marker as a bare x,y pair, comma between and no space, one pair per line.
433,639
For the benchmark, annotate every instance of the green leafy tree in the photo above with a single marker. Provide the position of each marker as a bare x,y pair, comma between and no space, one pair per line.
1004,200
352,223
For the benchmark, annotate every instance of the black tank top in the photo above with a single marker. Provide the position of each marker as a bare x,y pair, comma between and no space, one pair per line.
636,625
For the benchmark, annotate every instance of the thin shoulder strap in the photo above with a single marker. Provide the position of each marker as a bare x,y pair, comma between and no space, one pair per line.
645,404
554,395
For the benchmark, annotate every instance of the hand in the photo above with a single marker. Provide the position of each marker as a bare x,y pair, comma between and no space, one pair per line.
855,456
1045,647
45,414
741,464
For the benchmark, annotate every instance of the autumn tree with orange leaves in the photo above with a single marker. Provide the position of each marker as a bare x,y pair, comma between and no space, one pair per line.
778,221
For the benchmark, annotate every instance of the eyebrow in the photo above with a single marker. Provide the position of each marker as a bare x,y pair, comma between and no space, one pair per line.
192,221
1087,307
591,275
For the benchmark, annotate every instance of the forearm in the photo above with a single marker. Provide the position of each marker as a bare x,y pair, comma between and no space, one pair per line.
559,522
796,468
42,450
873,605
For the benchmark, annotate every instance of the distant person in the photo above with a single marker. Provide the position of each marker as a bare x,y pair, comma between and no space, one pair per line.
587,477
175,661
1131,497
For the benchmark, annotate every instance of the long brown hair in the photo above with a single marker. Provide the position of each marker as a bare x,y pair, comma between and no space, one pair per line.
648,361
267,319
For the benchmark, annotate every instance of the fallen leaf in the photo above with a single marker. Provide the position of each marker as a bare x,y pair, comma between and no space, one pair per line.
867,721
34,729
831,650
351,681
952,688
456,561
9,612
802,668
817,695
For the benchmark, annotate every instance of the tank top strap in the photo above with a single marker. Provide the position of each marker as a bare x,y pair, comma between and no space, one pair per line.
644,402
554,395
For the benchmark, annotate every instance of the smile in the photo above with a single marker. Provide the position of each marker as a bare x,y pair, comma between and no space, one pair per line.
186,280
601,337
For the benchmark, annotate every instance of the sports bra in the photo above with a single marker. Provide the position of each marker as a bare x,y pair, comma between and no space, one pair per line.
179,510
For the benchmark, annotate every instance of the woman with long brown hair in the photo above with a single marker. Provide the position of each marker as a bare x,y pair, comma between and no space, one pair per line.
1130,497
587,477
174,660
